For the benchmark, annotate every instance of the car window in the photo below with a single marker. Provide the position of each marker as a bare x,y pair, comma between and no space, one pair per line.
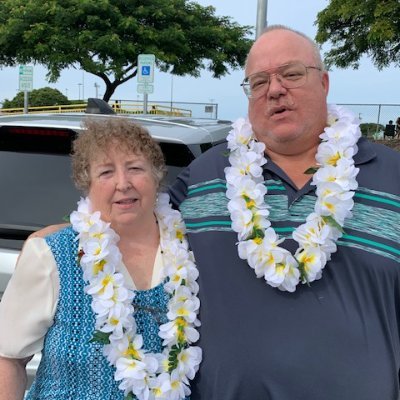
35,178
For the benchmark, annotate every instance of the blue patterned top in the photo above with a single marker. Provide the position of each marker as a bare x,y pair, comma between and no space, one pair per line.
71,367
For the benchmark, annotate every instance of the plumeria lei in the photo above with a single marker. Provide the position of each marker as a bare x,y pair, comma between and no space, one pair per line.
335,181
143,375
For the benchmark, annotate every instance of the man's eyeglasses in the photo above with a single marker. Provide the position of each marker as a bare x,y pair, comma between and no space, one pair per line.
290,76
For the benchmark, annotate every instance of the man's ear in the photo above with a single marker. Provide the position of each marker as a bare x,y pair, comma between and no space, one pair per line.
325,82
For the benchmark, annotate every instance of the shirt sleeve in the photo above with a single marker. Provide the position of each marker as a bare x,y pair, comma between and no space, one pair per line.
29,302
178,190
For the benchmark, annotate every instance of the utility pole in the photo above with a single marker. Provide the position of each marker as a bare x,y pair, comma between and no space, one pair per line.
262,6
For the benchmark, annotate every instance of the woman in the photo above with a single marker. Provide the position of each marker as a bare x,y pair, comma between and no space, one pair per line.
111,301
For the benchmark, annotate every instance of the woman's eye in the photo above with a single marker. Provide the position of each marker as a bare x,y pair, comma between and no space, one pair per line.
105,172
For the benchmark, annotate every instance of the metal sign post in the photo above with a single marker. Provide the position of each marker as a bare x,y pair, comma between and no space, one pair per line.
25,83
145,77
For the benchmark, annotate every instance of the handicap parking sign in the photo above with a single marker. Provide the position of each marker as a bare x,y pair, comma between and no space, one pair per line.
146,70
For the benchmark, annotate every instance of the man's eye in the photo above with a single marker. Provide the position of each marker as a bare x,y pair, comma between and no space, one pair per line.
105,172
258,82
292,75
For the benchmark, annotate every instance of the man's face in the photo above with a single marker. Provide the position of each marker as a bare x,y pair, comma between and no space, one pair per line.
282,116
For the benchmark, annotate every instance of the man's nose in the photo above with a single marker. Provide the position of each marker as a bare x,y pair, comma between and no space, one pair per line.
275,87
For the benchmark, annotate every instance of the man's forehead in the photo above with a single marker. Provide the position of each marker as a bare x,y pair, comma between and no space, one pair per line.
278,47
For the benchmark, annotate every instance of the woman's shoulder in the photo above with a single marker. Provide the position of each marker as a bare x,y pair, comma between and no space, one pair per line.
58,232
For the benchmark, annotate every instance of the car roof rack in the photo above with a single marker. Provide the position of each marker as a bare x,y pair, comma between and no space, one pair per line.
98,106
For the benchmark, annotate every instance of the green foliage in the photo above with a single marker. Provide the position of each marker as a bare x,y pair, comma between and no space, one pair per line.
369,129
356,28
105,37
100,337
39,97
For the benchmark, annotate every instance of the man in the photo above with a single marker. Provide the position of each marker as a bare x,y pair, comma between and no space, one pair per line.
389,130
322,323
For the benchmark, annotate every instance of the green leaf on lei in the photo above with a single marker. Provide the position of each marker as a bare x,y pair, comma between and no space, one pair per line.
100,337
328,219
311,170
173,357
303,273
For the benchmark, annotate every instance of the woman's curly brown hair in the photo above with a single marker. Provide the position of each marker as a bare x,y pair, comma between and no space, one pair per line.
99,135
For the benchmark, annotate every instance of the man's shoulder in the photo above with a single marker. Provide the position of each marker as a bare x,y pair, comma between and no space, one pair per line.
215,155
377,152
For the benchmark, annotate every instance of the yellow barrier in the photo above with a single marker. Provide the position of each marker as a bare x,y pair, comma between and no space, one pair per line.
118,107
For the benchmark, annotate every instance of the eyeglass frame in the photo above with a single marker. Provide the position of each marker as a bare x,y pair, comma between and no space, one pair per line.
245,84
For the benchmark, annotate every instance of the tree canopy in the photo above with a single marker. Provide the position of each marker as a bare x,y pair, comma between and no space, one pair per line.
357,28
46,96
105,37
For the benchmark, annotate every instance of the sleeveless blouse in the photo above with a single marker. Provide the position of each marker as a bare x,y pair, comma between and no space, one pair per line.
72,367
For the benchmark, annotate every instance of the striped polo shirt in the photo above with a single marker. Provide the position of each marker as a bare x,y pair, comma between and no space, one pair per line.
335,339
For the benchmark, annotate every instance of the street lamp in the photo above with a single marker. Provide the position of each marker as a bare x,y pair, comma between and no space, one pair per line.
83,85
96,85
79,89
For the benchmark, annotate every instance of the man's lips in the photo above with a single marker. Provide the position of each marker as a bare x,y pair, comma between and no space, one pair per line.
277,110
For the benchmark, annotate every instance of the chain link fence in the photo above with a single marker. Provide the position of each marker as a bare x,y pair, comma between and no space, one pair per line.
374,117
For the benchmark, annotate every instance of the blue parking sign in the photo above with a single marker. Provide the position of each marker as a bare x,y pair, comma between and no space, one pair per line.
145,70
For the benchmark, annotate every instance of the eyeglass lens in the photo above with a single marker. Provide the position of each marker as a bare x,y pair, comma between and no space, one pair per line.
290,76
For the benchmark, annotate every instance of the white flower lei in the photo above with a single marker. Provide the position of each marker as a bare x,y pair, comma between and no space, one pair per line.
335,181
142,374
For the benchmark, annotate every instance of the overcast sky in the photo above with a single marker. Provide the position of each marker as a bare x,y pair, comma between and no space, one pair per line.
365,85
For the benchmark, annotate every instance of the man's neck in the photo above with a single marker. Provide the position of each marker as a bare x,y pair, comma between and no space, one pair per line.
295,165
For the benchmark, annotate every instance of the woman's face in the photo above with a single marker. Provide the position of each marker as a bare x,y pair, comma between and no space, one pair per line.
122,187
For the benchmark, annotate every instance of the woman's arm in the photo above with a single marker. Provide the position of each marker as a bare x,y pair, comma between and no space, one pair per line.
13,378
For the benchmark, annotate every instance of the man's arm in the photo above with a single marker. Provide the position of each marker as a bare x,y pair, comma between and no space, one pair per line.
178,190
13,378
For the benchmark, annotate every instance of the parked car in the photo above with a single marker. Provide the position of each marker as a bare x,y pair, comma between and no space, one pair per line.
35,178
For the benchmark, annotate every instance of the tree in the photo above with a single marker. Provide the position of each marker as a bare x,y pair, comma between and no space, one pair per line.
38,97
105,37
370,129
354,28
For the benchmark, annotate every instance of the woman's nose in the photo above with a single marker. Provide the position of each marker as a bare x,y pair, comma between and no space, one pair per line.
122,182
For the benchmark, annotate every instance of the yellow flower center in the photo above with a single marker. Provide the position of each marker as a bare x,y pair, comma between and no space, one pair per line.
257,240
182,311
132,352
334,159
99,266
